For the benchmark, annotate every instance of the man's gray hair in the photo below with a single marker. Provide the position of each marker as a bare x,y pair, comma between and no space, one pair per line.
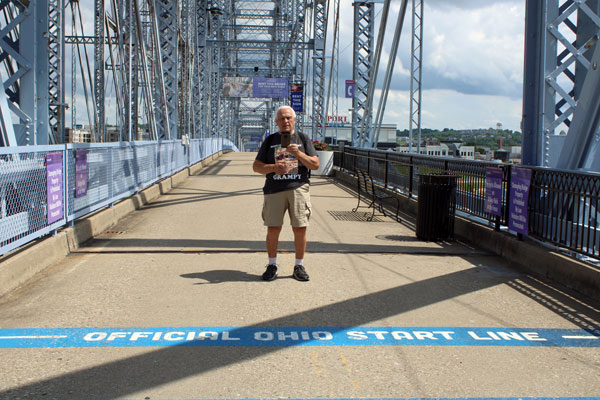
283,108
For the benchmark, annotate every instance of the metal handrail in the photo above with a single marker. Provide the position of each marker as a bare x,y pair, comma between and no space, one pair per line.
563,206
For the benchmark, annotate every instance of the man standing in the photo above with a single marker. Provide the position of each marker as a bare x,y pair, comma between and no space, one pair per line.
286,187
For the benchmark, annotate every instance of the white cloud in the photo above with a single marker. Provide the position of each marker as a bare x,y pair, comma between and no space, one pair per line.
444,108
450,109
478,51
472,63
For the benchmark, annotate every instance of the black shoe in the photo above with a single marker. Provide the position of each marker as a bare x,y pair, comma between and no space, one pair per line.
270,273
300,273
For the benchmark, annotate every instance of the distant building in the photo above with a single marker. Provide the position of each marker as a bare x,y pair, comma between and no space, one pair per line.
83,134
457,150
340,129
113,133
502,155
79,134
515,153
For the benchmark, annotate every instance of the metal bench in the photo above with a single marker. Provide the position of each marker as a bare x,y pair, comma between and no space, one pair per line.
368,193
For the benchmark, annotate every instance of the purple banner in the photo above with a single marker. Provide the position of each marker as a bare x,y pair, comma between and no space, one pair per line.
270,87
297,97
54,187
520,179
349,89
81,175
493,191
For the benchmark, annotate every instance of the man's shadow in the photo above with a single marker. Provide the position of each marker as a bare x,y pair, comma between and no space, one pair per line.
221,276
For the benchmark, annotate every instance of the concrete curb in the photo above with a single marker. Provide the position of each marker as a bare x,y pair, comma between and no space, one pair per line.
532,257
526,255
20,265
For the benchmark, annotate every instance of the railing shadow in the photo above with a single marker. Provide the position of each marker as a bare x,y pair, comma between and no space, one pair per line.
142,372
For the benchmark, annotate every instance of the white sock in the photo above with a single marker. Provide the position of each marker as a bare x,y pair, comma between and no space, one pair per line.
273,260
299,261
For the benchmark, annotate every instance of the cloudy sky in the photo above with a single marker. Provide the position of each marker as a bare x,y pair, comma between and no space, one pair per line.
472,63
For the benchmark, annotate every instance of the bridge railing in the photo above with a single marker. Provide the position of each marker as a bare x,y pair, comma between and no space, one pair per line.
43,188
563,206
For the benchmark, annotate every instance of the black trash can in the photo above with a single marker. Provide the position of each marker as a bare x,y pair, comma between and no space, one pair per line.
436,206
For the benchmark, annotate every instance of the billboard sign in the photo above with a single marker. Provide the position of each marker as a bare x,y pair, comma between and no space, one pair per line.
270,87
237,87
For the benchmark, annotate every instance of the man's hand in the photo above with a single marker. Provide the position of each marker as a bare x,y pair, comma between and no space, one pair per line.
293,149
307,161
280,167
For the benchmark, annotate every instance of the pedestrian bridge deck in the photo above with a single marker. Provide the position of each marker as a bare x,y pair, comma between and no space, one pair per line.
168,304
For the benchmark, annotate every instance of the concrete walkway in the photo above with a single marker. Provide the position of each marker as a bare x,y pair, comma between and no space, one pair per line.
168,304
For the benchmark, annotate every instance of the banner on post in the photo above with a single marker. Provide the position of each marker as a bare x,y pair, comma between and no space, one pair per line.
297,97
81,176
520,180
349,93
493,191
54,187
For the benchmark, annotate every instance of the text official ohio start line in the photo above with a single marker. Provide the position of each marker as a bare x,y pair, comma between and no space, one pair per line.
296,336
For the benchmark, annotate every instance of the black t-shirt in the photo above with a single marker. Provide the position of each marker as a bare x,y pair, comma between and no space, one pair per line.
297,174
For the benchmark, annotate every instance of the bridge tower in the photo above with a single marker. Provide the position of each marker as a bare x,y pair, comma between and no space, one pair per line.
364,28
560,102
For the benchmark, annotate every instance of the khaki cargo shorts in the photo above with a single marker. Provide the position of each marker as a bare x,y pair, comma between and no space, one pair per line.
296,202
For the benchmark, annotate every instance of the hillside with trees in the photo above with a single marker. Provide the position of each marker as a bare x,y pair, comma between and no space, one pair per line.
489,138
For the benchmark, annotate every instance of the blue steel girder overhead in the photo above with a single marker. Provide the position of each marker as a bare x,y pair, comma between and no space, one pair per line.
99,114
118,26
254,39
299,58
24,71
318,109
200,75
56,70
581,150
262,44
215,21
161,63
141,68
229,110
416,73
168,26
364,26
560,39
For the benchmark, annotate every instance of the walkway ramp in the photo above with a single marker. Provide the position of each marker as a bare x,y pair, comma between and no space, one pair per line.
169,304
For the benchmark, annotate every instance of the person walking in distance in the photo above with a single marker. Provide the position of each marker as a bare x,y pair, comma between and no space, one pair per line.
286,158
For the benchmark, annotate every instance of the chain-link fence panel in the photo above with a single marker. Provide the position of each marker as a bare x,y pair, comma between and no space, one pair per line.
43,187
97,172
27,208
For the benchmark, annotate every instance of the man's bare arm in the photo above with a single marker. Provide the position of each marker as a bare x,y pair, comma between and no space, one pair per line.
262,168
310,162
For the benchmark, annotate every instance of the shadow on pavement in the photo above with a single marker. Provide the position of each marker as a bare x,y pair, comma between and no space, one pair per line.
166,365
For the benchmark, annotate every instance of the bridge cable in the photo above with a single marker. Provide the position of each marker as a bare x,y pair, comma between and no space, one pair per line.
388,75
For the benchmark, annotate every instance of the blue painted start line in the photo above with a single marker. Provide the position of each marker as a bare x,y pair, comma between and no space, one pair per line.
427,398
297,336
433,398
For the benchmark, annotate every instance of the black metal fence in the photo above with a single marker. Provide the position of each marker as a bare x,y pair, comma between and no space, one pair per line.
563,206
